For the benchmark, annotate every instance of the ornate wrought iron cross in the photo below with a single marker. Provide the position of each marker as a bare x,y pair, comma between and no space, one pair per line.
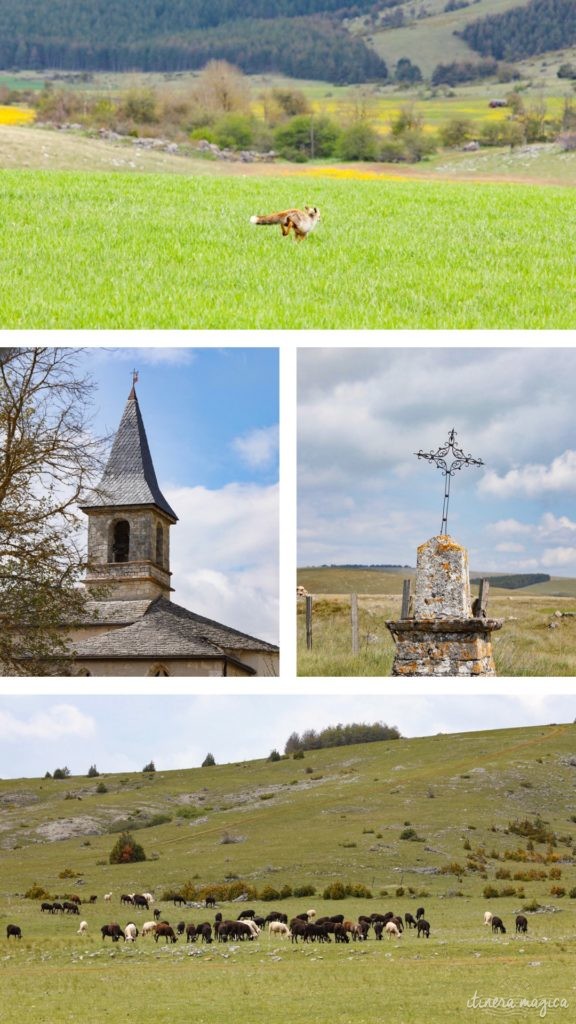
448,470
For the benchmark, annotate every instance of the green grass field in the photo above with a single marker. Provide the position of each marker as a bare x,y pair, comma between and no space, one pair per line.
335,815
525,646
146,251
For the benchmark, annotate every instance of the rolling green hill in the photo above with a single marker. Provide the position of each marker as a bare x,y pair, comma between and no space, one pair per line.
431,821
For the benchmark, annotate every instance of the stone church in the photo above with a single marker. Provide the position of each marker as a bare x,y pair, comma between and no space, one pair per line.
132,628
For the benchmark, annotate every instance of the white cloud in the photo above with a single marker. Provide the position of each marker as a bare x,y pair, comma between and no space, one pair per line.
258,448
559,557
58,722
532,480
225,555
510,546
510,526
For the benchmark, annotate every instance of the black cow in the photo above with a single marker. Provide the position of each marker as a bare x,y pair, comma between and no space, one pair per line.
521,923
498,926
92,899
126,899
423,928
15,930
191,933
47,907
210,901
247,915
178,899
205,931
181,927
157,913
112,931
140,901
56,907
420,913
409,920
70,908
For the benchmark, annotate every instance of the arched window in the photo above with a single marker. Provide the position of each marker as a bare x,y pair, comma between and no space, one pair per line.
121,543
159,545
158,670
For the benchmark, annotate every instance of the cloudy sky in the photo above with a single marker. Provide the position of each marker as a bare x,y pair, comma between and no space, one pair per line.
211,418
365,498
121,734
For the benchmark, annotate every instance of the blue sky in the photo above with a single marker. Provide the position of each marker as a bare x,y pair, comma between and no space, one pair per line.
41,733
211,418
365,498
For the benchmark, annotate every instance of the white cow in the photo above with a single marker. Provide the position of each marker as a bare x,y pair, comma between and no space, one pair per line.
83,928
107,896
487,917
130,932
148,928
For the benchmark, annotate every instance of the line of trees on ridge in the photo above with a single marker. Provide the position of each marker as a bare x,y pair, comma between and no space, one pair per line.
341,736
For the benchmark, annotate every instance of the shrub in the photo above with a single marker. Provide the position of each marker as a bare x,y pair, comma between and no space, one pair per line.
36,892
300,891
93,772
490,892
150,767
558,890
305,137
101,787
268,894
190,812
233,131
61,773
456,132
359,142
209,761
335,891
409,833
572,893
69,873
126,850
274,755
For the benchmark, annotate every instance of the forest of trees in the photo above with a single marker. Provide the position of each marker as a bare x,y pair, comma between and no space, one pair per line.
341,736
523,31
300,38
514,581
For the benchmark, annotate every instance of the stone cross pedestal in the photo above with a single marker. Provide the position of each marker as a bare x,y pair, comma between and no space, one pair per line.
441,636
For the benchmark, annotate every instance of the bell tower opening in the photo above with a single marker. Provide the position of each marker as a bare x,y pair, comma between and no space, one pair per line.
121,541
159,544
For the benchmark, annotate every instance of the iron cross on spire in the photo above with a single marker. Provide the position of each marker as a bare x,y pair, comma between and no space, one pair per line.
134,377
448,470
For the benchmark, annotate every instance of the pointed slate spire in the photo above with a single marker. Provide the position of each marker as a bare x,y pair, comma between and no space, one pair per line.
129,478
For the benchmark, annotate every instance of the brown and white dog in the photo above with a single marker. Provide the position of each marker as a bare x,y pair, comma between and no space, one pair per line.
302,222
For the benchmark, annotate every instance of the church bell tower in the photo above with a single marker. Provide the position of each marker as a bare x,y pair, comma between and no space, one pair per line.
129,519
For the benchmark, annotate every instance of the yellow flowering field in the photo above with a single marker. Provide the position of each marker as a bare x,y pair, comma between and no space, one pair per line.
16,115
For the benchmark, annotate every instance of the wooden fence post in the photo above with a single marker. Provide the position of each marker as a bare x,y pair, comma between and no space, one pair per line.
479,607
354,620
404,614
309,621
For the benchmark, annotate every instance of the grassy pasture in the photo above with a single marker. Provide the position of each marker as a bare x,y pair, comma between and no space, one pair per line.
120,251
525,646
337,814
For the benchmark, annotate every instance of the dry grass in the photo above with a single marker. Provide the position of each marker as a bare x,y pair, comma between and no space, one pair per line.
526,645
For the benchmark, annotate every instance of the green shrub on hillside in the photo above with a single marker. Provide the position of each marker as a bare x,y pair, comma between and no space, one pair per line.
126,851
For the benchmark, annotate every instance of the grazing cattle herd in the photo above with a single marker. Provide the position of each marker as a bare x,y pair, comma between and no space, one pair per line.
303,927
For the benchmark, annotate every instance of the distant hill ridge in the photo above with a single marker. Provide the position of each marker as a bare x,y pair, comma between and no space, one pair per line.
301,38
